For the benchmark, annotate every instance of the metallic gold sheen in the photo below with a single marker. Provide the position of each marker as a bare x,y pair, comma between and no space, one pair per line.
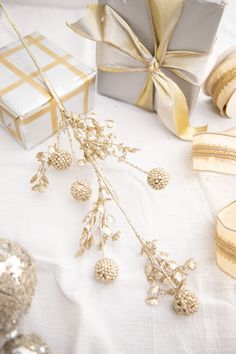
221,82
81,191
106,270
157,178
121,51
215,152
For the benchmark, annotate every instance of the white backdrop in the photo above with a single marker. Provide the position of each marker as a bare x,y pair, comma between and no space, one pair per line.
74,313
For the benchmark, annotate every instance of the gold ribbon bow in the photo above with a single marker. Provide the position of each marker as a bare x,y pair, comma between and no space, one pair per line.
121,51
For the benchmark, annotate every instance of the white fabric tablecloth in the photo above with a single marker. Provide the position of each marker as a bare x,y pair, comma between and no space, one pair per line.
74,313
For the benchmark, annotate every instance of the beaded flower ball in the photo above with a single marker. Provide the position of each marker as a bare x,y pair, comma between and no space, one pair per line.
61,160
106,270
81,191
158,178
185,302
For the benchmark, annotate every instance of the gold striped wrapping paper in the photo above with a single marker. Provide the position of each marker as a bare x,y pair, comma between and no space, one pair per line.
27,110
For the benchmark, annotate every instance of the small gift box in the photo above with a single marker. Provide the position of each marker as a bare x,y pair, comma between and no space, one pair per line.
153,53
27,110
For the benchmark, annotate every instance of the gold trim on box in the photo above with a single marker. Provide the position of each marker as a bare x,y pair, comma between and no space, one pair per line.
57,57
29,78
11,51
25,77
51,107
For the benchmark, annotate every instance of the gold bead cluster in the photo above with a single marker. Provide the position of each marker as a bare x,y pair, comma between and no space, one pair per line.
158,178
106,270
81,191
61,160
185,302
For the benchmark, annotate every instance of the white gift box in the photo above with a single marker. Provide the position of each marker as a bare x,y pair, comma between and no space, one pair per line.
27,110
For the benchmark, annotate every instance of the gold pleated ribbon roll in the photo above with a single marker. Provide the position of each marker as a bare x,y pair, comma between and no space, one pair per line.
226,239
216,152
122,51
221,84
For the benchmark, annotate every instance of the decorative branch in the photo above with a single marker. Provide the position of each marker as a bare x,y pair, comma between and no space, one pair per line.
96,141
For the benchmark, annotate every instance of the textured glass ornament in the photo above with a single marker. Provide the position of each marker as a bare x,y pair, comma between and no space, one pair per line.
25,344
17,284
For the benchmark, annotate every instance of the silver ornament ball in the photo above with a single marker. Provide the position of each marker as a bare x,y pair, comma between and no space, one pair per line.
61,160
81,191
158,178
106,270
185,302
25,344
17,284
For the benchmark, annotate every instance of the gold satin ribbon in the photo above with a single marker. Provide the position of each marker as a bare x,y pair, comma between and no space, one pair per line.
121,51
226,239
217,152
221,83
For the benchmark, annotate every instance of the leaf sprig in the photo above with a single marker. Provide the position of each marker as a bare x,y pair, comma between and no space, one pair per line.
40,181
98,220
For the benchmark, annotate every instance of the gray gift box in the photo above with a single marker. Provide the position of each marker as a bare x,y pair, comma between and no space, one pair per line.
196,31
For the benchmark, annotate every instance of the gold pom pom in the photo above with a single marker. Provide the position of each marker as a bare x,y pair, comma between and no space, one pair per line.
106,270
81,191
185,302
23,344
61,160
158,178
17,284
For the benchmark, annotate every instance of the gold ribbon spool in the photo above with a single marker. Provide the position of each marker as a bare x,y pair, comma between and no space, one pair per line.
122,51
226,239
221,83
216,152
